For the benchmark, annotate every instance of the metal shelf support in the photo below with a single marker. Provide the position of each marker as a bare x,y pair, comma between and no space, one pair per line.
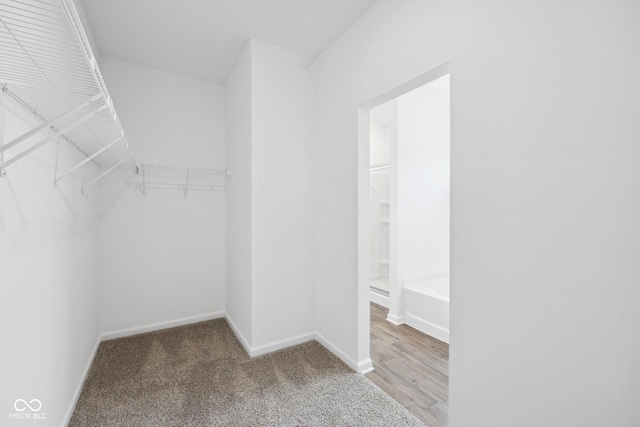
105,173
47,66
84,162
47,125
186,179
53,136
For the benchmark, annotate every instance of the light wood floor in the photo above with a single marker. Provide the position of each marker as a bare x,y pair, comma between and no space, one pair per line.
411,367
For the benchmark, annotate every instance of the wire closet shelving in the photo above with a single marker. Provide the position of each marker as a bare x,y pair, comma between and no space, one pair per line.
47,66
180,178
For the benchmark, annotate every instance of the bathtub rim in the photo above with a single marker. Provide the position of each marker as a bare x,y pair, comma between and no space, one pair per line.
411,285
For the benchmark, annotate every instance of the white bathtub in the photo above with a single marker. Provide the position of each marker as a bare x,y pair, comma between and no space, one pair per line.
426,305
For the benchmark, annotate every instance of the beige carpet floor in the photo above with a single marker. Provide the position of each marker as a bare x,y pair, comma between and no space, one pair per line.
199,375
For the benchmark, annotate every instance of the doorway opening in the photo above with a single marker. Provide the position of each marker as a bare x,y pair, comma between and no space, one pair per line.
404,235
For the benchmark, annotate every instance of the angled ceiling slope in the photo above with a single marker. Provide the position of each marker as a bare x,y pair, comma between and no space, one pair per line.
204,38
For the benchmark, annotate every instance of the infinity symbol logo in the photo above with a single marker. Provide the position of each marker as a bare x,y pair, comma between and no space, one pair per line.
21,403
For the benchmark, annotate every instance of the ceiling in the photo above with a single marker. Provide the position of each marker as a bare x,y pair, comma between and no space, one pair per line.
204,38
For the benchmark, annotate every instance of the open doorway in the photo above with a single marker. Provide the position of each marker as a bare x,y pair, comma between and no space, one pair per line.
404,139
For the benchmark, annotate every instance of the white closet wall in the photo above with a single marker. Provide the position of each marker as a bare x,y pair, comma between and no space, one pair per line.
49,251
270,235
162,255
239,271
283,244
48,274
545,172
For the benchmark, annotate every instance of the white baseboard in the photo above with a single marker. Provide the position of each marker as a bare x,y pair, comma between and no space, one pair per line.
335,350
396,320
279,345
160,325
428,328
379,299
365,366
76,394
238,334
362,367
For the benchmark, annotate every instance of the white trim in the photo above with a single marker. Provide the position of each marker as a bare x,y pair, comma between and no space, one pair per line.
362,367
280,344
431,329
363,317
160,325
365,366
76,394
379,299
238,334
421,80
335,350
396,320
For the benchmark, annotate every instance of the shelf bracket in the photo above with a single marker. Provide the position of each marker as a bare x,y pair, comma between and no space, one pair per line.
56,134
105,173
85,161
47,61
39,116
48,124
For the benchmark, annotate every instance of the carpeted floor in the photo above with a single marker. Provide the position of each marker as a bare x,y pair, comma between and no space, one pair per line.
199,375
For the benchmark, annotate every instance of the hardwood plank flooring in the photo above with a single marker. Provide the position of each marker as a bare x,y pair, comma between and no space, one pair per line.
411,367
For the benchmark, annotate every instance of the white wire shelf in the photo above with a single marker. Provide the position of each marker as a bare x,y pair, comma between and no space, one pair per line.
378,168
150,177
47,66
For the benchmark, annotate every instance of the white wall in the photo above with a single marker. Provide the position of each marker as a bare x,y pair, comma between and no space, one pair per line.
283,237
423,181
270,236
239,264
162,257
545,172
48,277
